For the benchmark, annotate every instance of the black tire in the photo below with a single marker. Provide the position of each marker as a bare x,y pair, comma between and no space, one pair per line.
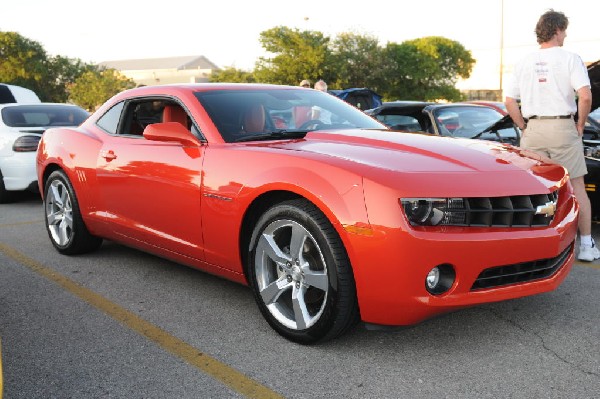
297,254
5,196
63,220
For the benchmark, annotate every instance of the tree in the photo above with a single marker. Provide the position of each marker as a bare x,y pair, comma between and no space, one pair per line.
298,55
94,87
358,61
23,62
232,75
426,69
62,73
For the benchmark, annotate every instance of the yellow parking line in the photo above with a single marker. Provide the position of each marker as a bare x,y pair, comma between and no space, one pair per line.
586,264
227,375
21,223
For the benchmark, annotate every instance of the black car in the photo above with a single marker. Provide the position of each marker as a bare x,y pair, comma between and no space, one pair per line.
452,120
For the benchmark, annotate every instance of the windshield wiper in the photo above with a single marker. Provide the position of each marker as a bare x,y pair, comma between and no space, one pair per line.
275,135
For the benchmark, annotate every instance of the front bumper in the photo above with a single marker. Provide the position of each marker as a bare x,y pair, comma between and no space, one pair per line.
391,264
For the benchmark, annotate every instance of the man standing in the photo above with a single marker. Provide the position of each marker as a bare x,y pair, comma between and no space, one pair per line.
547,81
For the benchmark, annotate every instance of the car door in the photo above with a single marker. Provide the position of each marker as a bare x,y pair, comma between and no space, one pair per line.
151,189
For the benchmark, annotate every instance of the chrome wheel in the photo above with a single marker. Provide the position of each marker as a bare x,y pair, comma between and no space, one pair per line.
291,274
59,213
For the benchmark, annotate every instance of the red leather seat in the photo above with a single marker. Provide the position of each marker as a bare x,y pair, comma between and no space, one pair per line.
174,113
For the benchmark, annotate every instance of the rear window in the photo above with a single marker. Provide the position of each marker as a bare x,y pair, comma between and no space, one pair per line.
43,115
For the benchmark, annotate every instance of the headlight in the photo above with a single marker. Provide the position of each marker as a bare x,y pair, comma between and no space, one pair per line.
434,211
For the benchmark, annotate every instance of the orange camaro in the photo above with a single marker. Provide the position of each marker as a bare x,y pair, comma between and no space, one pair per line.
329,221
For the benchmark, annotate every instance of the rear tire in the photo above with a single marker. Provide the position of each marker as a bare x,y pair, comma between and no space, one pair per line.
64,223
5,196
300,274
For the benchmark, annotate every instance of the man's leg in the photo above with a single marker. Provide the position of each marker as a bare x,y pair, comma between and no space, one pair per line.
585,208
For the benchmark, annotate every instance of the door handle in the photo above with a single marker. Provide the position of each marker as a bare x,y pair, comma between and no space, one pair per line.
108,155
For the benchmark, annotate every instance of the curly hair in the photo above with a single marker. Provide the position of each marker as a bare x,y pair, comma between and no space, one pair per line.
549,23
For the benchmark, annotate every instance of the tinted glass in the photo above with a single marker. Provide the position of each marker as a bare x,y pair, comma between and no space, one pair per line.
110,120
465,121
43,115
284,110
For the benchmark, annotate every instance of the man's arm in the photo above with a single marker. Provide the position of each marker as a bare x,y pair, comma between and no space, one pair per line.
584,104
515,113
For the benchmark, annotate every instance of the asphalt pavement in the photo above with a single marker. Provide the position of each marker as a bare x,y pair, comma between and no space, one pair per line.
120,323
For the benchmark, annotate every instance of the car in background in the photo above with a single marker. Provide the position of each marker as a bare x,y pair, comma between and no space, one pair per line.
497,105
361,97
448,120
591,144
329,221
17,94
21,127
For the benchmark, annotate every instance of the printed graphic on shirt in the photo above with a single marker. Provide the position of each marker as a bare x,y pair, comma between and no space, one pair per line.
541,70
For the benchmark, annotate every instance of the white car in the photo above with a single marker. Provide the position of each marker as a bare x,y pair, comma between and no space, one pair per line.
21,127
17,94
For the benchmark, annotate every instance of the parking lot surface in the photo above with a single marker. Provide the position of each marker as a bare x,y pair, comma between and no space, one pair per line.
120,323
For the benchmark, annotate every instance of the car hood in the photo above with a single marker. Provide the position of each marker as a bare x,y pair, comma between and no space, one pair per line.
381,154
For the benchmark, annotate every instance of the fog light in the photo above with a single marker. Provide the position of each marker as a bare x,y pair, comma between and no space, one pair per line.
433,278
440,279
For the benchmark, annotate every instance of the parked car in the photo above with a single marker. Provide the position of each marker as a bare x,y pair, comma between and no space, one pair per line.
328,223
21,126
17,94
449,119
591,143
361,98
497,105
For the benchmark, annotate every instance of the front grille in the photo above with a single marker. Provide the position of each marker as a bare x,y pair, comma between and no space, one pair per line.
521,272
513,211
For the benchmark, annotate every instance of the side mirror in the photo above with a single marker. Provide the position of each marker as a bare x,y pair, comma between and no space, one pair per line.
170,131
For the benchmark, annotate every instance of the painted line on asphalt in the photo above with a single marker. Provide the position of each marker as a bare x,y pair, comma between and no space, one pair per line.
21,223
588,264
223,373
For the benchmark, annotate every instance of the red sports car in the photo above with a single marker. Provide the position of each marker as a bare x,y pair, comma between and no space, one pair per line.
328,221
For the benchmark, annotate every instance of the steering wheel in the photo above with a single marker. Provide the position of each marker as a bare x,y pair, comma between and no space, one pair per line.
311,124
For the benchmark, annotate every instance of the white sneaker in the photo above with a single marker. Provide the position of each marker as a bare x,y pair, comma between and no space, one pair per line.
588,254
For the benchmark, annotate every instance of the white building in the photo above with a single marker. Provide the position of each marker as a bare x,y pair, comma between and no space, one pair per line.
155,71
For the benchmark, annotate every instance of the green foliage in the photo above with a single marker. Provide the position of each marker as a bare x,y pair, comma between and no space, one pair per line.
421,69
23,62
358,61
298,55
426,69
94,87
232,75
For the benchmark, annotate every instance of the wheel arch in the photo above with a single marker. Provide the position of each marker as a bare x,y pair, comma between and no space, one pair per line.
45,174
253,213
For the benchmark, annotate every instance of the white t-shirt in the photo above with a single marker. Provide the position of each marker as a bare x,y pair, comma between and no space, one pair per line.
546,81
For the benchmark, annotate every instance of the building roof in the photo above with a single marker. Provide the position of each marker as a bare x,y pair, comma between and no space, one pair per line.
179,63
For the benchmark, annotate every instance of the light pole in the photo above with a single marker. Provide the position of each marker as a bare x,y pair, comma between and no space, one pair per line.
501,47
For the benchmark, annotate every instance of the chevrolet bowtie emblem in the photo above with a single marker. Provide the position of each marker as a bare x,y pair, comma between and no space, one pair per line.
547,209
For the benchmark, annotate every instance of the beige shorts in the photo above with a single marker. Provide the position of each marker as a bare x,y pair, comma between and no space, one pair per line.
558,140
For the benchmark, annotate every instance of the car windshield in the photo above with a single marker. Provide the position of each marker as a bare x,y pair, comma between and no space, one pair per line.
469,121
35,115
262,114
595,115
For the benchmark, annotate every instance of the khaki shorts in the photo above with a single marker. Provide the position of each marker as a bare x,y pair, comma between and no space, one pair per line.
558,140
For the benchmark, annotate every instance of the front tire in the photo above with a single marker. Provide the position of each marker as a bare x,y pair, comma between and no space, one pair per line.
300,274
63,219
